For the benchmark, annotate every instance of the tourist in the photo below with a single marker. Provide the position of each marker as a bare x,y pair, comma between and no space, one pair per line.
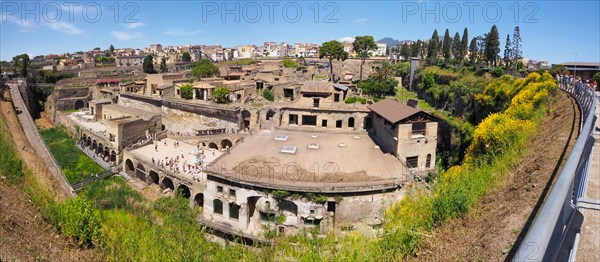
595,85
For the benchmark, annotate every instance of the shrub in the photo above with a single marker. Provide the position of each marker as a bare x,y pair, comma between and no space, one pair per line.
267,94
76,218
497,72
204,68
351,100
289,63
221,95
10,163
186,91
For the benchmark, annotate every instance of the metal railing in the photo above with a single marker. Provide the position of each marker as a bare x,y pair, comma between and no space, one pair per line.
552,233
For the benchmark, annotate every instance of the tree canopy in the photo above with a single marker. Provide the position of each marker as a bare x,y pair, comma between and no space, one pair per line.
21,64
148,65
205,68
333,50
380,84
221,95
186,57
186,91
363,45
433,47
492,46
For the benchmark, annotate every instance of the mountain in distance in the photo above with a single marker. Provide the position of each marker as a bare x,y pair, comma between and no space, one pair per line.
390,42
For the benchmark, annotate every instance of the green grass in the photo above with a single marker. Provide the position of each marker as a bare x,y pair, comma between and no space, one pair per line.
10,164
75,164
403,95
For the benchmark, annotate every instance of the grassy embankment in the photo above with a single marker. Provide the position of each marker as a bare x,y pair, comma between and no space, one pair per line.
75,164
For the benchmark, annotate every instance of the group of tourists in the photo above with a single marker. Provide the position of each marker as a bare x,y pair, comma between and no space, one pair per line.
219,131
178,163
577,83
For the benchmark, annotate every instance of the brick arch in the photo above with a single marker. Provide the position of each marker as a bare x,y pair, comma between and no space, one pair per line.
154,177
184,191
140,172
167,183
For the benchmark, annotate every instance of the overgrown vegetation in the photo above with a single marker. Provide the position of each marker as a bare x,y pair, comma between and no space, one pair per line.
186,91
75,218
498,141
267,94
289,63
221,95
10,164
75,164
204,68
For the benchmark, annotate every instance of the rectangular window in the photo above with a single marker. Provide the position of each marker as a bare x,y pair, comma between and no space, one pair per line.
330,206
419,128
234,211
412,161
338,124
220,189
231,193
314,222
111,137
309,120
293,119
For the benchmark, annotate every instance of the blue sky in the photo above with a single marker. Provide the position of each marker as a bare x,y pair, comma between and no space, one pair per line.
550,30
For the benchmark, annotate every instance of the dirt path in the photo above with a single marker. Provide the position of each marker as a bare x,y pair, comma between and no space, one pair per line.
489,232
33,162
24,234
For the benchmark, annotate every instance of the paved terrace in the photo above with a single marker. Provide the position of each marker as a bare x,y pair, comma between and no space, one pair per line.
147,152
589,243
341,162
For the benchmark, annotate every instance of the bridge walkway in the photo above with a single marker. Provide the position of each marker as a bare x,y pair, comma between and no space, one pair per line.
589,242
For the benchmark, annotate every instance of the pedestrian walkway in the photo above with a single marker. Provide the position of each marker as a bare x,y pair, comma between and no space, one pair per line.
36,140
589,242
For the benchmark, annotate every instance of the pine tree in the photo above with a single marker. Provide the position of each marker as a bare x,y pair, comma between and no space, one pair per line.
405,51
447,47
464,44
415,50
507,52
517,51
163,65
492,46
433,48
148,65
456,46
473,51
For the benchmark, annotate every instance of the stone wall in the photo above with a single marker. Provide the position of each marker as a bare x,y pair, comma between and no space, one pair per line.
184,117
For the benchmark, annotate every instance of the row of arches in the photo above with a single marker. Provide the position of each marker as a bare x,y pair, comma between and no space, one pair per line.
225,143
98,148
152,177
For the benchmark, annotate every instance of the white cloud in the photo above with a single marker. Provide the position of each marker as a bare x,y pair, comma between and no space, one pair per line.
126,36
134,25
24,23
66,28
361,21
346,39
29,25
181,32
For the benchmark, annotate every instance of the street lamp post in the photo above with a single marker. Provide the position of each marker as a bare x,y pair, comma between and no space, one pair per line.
575,71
